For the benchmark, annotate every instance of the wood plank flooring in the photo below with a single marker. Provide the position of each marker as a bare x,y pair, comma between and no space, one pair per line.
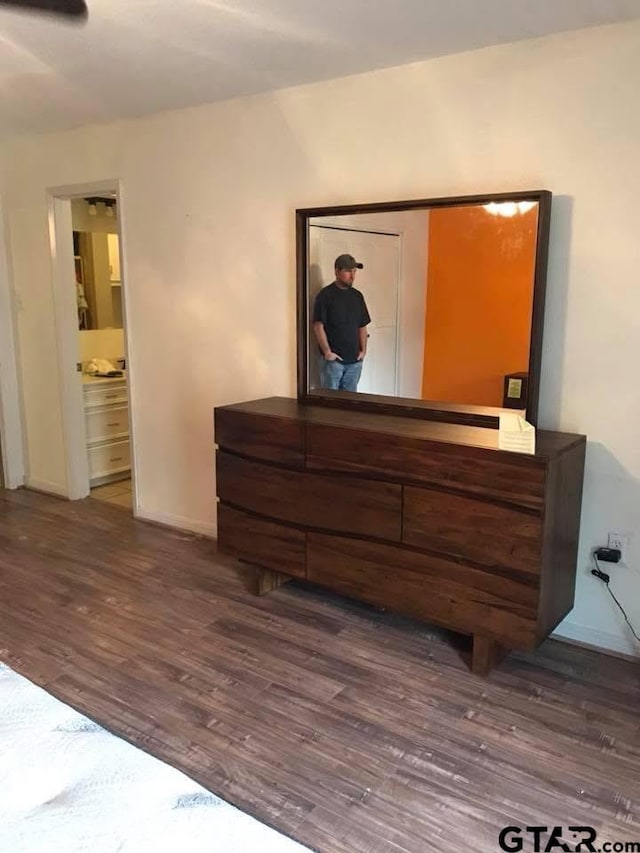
350,730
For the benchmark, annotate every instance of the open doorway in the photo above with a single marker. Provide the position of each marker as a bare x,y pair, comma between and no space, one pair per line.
89,291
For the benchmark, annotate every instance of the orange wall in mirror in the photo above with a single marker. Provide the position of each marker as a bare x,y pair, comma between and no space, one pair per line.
487,260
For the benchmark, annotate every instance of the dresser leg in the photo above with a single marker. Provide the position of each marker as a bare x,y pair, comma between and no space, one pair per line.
268,580
486,654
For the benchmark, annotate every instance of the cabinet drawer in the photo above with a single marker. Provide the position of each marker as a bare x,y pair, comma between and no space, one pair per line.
109,458
424,587
105,395
510,477
106,423
260,436
263,543
339,503
472,528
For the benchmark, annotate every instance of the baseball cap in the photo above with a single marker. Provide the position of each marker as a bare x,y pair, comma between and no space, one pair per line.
347,262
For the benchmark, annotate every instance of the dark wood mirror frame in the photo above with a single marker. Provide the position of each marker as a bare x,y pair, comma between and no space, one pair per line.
486,416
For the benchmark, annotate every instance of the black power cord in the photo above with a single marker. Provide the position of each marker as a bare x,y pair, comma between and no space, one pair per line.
604,577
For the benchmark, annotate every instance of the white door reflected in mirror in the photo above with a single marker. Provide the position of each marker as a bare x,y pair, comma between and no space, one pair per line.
379,253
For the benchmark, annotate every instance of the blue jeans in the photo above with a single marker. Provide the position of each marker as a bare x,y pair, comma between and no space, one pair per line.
337,376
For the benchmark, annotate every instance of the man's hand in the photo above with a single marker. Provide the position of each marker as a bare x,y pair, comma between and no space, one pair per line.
332,356
361,355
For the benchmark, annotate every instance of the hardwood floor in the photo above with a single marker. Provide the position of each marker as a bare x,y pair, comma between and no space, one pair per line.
351,730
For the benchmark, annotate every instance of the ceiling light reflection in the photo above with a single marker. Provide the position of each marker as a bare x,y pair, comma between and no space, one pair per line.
509,208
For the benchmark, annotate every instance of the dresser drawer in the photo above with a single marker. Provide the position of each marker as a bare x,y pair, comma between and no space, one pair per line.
425,587
263,543
260,436
105,395
515,478
472,528
110,458
106,423
339,503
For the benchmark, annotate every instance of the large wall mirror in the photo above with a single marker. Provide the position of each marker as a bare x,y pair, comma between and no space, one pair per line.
448,294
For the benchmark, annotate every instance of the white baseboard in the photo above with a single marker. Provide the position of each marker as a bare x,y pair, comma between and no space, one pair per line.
46,487
178,522
601,640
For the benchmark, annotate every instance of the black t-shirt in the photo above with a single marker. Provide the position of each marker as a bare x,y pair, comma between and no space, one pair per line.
342,311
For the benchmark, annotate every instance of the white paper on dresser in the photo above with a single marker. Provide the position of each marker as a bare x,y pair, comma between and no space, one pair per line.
516,434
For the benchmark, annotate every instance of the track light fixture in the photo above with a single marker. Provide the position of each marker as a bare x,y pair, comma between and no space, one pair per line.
108,203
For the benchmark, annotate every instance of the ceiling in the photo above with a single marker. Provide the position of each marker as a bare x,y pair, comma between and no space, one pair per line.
141,56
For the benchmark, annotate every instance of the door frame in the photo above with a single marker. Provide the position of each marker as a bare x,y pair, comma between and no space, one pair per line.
12,450
66,327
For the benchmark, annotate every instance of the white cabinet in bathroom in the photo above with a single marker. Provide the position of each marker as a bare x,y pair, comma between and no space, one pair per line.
106,413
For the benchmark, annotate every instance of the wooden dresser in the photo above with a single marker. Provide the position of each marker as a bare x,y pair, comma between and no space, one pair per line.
427,519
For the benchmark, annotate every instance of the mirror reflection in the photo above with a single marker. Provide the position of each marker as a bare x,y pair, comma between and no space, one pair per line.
430,303
96,251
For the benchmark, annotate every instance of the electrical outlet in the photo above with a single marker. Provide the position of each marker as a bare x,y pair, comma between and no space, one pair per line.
619,541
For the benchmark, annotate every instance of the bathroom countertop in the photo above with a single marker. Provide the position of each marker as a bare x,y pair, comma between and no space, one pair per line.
88,379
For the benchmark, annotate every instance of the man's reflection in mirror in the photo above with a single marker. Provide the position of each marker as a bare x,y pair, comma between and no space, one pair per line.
340,320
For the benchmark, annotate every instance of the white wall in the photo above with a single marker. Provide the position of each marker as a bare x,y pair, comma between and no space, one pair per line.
208,215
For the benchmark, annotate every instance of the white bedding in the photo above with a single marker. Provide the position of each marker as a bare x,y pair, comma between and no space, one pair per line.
67,785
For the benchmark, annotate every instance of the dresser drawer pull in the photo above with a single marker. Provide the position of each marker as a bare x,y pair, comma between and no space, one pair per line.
114,424
116,459
110,396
